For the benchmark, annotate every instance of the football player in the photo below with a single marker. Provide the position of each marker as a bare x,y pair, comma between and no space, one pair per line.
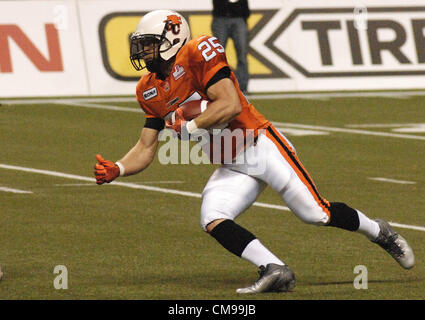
181,69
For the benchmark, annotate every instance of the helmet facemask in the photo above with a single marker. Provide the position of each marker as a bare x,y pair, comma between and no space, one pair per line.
145,51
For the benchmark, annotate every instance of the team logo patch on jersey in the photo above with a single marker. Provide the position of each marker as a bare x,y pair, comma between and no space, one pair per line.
165,85
149,94
178,72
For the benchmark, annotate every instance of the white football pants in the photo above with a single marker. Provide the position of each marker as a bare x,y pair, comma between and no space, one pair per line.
272,161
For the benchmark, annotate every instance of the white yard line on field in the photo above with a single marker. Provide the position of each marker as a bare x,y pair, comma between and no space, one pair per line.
406,226
313,95
86,103
75,185
66,100
382,125
99,106
161,182
329,95
94,185
5,189
127,184
345,130
301,132
157,189
391,180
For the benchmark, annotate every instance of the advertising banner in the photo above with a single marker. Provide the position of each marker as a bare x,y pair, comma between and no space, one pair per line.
40,49
81,47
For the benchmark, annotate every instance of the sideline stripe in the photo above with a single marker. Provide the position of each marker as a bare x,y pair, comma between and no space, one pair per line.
163,190
5,189
391,180
128,185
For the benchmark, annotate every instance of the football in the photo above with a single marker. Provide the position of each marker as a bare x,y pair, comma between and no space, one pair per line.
193,108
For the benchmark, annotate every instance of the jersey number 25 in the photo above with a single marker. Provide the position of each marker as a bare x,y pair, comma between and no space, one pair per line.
209,52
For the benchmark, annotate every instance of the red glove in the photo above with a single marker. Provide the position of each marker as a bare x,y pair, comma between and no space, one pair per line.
105,170
178,124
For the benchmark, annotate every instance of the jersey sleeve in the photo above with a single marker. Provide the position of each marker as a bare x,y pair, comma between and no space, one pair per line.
149,112
153,121
207,58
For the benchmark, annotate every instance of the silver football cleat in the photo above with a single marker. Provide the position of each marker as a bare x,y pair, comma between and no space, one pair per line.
395,245
273,278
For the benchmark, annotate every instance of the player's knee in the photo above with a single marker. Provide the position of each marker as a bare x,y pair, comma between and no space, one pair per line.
319,218
212,213
312,214
210,218
303,205
210,226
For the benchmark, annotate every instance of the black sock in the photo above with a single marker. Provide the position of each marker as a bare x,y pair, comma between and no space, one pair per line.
344,217
232,236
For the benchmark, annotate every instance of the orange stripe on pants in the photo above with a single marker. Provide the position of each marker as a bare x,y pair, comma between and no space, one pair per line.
290,156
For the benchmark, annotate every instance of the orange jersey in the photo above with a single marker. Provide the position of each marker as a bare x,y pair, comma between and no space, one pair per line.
196,63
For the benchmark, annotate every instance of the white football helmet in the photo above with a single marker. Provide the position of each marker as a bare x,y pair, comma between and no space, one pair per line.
159,36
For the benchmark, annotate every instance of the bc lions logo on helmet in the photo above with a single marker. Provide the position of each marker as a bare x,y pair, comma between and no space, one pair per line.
174,23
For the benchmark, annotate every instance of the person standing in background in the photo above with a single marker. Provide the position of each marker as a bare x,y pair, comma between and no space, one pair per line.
230,21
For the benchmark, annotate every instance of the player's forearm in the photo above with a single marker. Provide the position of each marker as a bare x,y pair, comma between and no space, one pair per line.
225,105
136,160
218,112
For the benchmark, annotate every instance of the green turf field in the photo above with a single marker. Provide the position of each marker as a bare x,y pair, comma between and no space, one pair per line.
125,242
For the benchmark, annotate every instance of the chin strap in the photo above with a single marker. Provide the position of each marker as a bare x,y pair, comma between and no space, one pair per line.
154,65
